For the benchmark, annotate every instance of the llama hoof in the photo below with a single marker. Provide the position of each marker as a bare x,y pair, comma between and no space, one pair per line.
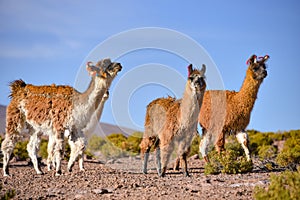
6,175
206,159
58,173
82,170
186,174
39,173
69,170
6,172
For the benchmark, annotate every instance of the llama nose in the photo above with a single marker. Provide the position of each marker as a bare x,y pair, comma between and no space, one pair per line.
201,82
265,74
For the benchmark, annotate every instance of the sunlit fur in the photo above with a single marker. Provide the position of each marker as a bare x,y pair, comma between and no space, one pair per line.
171,122
228,112
54,110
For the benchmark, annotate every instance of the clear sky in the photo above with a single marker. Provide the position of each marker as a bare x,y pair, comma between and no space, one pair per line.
45,42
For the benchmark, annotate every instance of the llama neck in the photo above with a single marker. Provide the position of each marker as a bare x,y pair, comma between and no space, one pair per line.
189,107
91,96
99,109
248,92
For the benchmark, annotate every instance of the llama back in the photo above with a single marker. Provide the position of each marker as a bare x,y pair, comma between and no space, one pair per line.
213,109
157,108
47,105
221,109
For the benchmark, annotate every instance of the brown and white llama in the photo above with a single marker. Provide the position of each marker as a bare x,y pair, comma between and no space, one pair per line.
77,148
228,112
54,110
171,122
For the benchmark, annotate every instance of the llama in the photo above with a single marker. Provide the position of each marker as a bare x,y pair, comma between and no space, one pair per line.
77,148
172,122
53,110
228,112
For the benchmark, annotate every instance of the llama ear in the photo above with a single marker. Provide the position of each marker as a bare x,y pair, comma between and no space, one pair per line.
93,70
265,58
252,59
190,69
203,70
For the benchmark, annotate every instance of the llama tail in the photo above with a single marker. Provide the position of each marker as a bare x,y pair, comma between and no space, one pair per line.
15,86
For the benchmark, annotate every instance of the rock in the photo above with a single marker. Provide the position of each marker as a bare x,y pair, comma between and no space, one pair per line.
101,191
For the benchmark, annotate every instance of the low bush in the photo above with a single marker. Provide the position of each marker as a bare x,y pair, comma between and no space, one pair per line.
282,186
7,194
194,149
132,143
20,150
290,155
267,152
232,161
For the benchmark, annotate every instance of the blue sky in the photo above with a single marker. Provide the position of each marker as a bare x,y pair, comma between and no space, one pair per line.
45,42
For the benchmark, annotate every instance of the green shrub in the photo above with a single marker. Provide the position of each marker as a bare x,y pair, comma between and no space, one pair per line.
282,186
267,152
111,151
258,140
194,149
117,139
233,144
95,143
43,149
290,155
20,150
8,194
228,162
133,141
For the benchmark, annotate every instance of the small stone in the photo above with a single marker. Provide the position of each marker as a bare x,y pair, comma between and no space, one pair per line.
101,191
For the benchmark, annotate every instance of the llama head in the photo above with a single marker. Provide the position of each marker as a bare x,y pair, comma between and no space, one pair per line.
257,67
104,69
196,78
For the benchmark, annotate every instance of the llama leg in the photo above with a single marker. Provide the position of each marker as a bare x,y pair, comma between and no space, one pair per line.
82,144
243,139
81,161
145,158
165,157
176,164
72,154
203,146
77,146
58,152
158,161
33,147
50,151
184,161
7,148
220,142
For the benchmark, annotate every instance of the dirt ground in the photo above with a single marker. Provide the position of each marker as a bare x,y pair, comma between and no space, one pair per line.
122,179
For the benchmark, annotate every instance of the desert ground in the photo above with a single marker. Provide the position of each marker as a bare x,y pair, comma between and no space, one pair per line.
122,179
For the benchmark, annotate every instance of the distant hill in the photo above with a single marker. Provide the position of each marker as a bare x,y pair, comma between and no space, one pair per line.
2,118
102,130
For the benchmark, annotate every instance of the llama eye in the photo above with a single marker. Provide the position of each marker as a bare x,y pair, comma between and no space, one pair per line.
255,68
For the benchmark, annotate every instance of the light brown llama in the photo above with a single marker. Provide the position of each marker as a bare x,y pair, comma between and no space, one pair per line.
171,122
228,112
54,110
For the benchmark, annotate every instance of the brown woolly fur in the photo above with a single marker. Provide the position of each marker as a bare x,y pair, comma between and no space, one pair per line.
170,122
55,111
164,103
228,112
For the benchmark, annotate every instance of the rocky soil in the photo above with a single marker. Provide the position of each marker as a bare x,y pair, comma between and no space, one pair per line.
122,179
